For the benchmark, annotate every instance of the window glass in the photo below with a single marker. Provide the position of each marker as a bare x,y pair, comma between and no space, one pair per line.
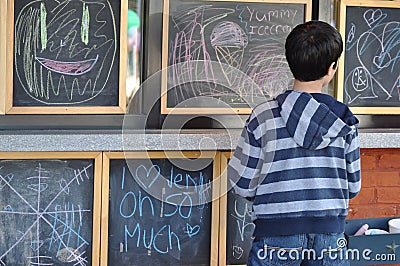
133,41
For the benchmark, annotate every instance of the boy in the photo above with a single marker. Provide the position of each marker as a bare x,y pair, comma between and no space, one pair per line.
298,159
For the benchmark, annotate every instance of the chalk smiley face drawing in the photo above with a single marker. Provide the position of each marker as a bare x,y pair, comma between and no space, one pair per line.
64,51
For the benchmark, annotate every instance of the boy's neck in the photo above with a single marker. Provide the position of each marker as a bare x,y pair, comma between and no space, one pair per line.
314,86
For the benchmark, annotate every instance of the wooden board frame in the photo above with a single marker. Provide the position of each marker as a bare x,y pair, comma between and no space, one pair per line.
341,19
225,190
107,156
67,109
223,223
164,60
97,157
3,49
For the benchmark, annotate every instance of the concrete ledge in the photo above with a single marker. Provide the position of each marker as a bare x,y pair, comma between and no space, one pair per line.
216,139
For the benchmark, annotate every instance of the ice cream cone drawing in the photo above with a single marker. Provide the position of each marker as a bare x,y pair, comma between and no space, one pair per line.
229,42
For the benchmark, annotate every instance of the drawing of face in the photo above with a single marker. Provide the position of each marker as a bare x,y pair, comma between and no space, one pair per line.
359,85
359,79
64,50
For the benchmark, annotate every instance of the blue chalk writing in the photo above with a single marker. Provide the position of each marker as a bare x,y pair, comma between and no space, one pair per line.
129,193
186,181
162,236
192,230
141,203
163,241
179,208
133,202
123,177
147,177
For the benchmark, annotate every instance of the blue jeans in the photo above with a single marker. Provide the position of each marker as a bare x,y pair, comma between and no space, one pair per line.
296,250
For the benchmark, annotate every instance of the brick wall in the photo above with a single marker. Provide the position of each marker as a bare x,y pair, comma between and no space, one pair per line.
380,192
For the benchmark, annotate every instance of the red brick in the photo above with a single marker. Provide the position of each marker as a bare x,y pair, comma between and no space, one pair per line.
373,152
366,196
380,179
388,195
389,160
368,151
380,174
369,162
372,211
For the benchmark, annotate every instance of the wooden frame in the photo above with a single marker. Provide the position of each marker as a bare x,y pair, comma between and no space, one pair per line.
223,207
224,212
159,155
97,158
67,108
3,67
340,78
165,109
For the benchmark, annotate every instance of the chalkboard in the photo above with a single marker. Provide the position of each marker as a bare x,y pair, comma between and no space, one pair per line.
47,214
236,231
370,79
240,228
67,56
144,229
221,55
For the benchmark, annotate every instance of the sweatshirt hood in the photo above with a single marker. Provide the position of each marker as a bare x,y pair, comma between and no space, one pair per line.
314,123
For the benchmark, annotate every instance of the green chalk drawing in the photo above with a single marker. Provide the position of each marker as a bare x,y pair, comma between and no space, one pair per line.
85,24
43,26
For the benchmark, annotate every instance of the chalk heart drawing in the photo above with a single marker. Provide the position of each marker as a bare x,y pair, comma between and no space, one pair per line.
382,60
237,252
192,230
372,16
147,177
64,50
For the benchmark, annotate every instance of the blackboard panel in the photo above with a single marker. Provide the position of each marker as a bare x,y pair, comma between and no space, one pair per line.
237,227
145,230
371,78
67,54
231,51
46,212
240,228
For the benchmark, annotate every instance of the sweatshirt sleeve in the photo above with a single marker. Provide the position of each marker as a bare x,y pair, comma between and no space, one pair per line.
244,166
353,164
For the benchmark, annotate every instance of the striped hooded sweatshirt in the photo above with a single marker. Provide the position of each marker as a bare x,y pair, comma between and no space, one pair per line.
298,160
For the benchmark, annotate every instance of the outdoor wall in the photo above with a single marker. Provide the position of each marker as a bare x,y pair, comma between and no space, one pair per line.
380,193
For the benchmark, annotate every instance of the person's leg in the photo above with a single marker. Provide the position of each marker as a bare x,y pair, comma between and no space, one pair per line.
277,251
326,250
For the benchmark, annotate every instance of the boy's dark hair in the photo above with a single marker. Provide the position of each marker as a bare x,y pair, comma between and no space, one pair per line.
311,48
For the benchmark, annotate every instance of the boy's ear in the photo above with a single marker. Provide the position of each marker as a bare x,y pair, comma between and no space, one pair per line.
332,68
